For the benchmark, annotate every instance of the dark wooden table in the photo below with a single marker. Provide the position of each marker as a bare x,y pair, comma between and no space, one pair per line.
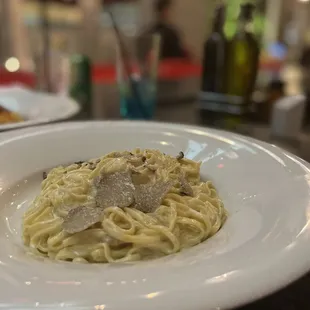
295,297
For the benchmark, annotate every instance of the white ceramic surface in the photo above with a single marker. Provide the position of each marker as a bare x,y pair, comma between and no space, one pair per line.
264,245
35,107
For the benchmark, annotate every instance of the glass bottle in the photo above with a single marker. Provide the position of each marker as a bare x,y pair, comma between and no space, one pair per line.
242,64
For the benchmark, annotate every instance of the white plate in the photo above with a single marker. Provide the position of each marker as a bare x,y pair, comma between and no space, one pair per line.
35,107
264,245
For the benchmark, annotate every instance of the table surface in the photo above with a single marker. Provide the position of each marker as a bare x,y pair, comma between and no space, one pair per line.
297,295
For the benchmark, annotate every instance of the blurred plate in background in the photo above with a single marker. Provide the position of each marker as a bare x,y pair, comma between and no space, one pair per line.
35,107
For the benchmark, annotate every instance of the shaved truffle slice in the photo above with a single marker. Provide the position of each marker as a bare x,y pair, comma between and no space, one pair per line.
44,175
114,190
148,197
180,156
79,163
81,218
185,186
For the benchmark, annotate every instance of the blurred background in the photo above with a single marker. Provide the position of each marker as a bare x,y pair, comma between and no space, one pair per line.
40,40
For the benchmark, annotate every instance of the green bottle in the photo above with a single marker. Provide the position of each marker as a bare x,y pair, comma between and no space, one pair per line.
80,84
242,65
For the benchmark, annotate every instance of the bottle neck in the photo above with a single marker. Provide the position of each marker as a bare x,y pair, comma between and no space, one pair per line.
218,27
245,26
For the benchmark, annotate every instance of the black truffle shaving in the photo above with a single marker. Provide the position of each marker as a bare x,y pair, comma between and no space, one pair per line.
148,197
180,156
44,175
81,218
92,166
79,163
114,190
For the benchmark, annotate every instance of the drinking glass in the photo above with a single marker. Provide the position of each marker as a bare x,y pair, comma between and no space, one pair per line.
137,78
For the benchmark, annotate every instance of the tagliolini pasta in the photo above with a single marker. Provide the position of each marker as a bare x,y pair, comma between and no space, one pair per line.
124,206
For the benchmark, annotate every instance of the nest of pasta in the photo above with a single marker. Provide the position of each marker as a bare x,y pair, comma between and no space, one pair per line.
124,206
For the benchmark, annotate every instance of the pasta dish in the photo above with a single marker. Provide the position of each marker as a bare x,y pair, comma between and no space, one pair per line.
124,206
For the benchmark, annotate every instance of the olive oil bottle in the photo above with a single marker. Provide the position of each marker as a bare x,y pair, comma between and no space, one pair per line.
242,65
